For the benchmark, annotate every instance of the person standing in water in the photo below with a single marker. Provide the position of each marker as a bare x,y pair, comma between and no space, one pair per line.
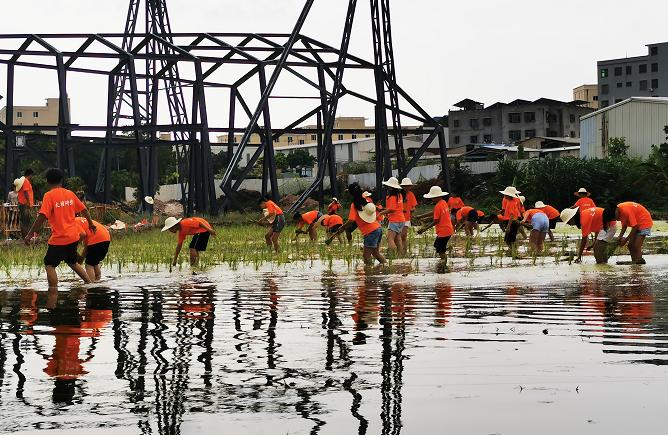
410,202
197,227
96,246
394,209
584,201
590,221
638,218
276,220
441,220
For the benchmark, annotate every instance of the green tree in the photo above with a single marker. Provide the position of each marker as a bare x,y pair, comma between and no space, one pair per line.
617,147
281,161
300,158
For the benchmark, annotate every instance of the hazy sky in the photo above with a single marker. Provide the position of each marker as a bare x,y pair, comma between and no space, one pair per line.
488,50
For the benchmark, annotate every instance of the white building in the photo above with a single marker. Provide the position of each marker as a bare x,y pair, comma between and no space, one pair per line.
640,120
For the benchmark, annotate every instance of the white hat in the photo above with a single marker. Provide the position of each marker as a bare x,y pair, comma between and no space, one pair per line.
149,200
406,182
567,214
582,191
510,191
265,212
368,213
522,198
393,182
170,222
118,225
335,199
539,204
435,192
366,194
18,183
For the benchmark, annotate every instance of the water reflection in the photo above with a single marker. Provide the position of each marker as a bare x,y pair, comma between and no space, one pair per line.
157,357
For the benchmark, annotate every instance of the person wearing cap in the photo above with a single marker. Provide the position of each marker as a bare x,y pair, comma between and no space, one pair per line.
455,203
591,221
308,219
584,199
60,207
197,227
96,246
363,215
509,221
468,217
537,220
274,218
394,210
552,214
441,220
333,206
410,202
638,218
332,223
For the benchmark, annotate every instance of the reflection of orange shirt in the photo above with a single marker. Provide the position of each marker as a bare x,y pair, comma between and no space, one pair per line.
332,220
585,203
410,202
395,203
190,227
455,202
364,227
333,208
273,208
59,207
551,212
443,304
65,362
308,218
442,215
463,213
634,215
26,188
100,235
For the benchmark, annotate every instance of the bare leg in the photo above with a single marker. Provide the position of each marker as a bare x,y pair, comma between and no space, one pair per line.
313,234
549,233
367,255
274,241
404,240
52,277
194,257
377,254
79,270
391,242
267,237
90,271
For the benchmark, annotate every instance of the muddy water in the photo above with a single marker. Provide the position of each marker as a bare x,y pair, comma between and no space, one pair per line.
555,349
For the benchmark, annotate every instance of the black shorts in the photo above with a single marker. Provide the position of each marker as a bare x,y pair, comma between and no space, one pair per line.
351,227
472,216
55,254
200,241
441,244
334,229
511,234
96,253
553,222
278,224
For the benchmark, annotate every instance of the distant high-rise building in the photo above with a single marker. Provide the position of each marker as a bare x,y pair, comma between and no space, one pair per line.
588,93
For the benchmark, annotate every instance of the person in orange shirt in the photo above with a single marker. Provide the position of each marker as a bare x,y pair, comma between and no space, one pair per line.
639,219
308,219
59,207
584,200
197,227
442,221
410,202
363,215
333,206
332,222
512,214
275,218
24,188
468,218
455,203
591,221
394,210
552,214
96,246
537,220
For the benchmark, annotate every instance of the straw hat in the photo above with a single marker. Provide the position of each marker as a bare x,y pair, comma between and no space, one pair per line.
435,192
510,191
392,182
18,183
568,214
170,222
117,225
265,212
582,191
366,194
149,200
368,213
335,200
540,204
522,198
406,182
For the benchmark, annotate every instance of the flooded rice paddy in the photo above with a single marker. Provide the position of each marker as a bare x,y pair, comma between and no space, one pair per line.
305,349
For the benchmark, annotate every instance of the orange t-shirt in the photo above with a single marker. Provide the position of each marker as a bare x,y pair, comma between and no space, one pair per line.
551,212
634,215
463,212
26,188
529,214
364,227
308,218
409,204
455,202
396,205
333,208
190,227
591,221
442,215
100,235
512,209
585,203
273,208
59,207
332,220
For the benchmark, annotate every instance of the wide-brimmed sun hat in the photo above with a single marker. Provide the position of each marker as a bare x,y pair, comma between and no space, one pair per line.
406,182
568,214
18,183
522,198
170,222
368,213
435,192
118,225
539,204
265,212
335,199
393,183
366,194
510,191
582,191
149,200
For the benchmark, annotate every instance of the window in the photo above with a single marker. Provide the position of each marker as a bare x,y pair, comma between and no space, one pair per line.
604,73
456,139
655,67
354,136
456,123
474,139
473,123
618,71
605,89
301,141
629,70
19,114
340,137
605,103
620,84
629,84
289,139
515,135
314,137
550,117
572,118
35,114
595,97
529,134
514,118
572,133
618,100
367,135
529,116
36,124
655,83
653,51
487,138
643,85
277,140
642,69
486,122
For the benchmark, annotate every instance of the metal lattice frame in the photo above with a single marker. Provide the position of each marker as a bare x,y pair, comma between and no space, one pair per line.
157,60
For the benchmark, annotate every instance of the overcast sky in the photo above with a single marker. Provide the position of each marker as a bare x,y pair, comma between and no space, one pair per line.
488,50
